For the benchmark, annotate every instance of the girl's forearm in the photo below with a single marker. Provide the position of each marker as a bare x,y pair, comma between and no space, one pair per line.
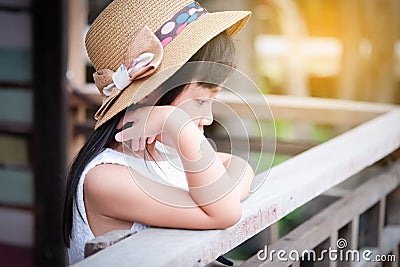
210,185
240,171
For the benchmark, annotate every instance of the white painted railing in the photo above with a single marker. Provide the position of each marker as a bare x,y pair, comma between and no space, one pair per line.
290,185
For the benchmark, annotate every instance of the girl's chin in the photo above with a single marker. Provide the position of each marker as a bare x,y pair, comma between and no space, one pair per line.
158,138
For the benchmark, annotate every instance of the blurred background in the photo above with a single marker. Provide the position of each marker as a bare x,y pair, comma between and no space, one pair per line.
341,49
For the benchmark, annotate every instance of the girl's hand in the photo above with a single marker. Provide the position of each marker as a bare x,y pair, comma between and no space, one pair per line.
147,124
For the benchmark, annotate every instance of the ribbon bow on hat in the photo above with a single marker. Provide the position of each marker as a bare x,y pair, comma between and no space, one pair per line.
143,56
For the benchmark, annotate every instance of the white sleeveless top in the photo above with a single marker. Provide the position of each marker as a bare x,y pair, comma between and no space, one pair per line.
169,172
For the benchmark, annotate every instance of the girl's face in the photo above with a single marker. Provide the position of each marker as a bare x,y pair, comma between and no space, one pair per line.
197,102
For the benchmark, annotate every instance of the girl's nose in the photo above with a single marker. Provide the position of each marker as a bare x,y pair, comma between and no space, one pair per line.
207,117
205,121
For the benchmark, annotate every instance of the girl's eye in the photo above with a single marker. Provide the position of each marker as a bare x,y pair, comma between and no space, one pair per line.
201,101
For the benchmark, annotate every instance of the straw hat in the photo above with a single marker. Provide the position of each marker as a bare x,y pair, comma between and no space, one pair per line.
132,40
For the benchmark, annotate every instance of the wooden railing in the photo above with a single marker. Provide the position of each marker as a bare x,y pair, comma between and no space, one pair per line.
366,217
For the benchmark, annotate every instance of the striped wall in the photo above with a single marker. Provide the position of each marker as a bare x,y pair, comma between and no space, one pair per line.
16,113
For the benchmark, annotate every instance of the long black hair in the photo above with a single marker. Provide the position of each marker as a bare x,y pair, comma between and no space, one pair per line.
220,49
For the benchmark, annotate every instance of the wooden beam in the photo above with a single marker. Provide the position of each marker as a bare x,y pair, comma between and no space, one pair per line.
50,142
224,144
16,84
106,240
16,128
301,109
7,8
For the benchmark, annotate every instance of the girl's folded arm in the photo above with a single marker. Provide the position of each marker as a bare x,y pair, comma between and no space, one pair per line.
114,191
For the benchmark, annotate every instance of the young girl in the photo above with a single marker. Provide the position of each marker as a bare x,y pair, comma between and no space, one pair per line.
148,163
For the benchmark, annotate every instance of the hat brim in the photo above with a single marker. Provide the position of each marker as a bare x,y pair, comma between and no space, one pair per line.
178,52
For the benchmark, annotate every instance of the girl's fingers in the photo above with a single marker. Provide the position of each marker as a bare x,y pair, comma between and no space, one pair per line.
142,143
126,135
151,139
118,137
135,145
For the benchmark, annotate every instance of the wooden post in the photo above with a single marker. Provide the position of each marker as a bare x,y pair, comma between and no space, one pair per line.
379,21
50,112
351,35
294,30
397,255
244,41
370,30
78,12
333,244
355,223
381,220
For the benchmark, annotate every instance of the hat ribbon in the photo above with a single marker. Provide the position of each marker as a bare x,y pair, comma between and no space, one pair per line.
143,56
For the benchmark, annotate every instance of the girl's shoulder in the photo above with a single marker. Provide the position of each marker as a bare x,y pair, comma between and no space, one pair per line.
109,163
111,156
